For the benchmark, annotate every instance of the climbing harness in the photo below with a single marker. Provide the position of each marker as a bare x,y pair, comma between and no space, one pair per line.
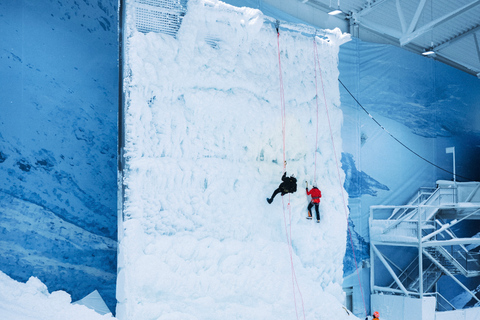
317,60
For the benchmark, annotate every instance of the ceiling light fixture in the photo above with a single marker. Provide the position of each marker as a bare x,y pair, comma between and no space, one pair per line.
335,12
428,53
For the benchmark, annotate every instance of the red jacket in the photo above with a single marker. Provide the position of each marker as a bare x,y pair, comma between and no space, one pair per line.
316,195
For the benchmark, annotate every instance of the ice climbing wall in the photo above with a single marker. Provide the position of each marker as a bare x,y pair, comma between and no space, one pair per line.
204,148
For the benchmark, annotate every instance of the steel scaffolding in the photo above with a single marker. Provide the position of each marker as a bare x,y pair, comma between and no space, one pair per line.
415,245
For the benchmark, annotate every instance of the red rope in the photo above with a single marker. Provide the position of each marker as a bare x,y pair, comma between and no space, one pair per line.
290,251
282,101
287,232
316,100
338,173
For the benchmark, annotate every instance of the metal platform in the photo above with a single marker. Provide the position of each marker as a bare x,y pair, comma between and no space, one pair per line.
423,230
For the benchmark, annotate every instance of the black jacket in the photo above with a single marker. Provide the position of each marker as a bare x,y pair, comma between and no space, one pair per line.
289,184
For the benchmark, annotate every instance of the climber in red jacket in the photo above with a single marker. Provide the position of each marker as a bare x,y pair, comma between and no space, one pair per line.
316,195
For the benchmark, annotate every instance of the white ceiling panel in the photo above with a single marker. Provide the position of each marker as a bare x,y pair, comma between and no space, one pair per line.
449,27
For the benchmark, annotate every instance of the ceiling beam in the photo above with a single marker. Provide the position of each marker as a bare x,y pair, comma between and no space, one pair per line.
401,17
475,37
380,29
475,71
369,7
391,36
409,37
456,38
418,12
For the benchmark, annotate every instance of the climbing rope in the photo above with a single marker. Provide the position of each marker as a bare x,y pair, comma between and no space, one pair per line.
282,100
317,60
288,230
288,233
316,101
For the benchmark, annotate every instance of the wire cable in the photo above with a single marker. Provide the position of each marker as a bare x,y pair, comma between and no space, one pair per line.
400,142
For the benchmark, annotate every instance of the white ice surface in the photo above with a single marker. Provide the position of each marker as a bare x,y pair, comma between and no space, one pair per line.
204,150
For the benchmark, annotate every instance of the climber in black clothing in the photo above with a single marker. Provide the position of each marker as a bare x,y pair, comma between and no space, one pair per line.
289,185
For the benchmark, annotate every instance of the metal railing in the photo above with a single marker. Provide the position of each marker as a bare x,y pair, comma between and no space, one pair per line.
442,303
161,16
470,261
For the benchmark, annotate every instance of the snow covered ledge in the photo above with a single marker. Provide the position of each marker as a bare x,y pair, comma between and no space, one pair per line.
204,149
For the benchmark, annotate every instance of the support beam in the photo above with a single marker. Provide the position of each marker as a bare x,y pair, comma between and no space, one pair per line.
389,269
470,196
452,236
401,17
420,257
475,37
418,12
409,37
394,243
448,226
385,289
449,274
443,228
452,242
380,29
372,255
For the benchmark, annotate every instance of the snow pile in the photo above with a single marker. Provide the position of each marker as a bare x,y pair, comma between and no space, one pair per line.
31,301
204,150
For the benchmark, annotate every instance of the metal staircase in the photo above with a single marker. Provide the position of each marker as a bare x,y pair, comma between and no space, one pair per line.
410,277
424,225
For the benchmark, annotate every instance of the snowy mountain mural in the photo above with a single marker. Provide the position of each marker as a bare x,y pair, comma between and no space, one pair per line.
358,183
58,144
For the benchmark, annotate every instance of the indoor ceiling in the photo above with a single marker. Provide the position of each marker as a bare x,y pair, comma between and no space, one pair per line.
449,28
